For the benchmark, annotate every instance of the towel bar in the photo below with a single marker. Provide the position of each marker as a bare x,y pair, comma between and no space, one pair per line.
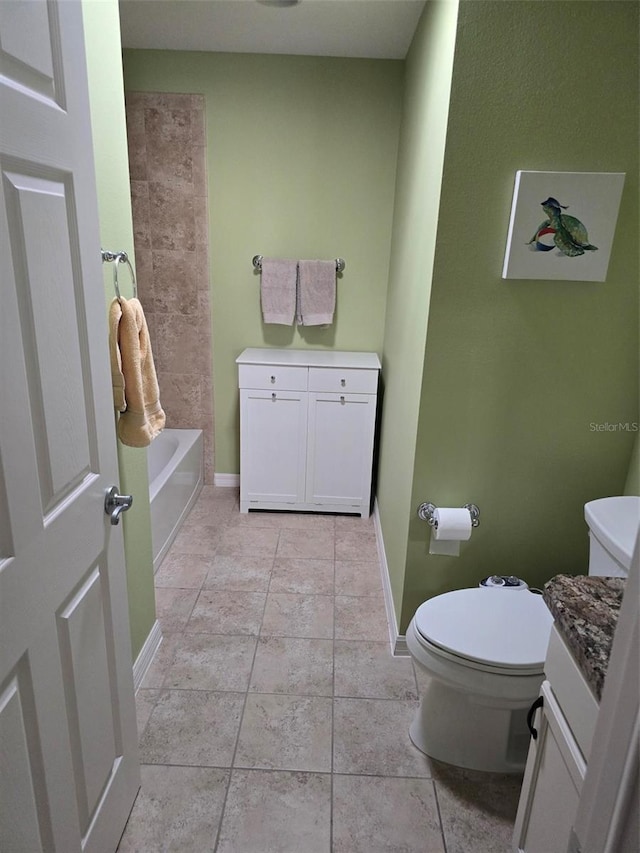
119,258
257,263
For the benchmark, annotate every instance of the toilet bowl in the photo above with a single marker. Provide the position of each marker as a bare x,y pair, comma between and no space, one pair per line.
481,654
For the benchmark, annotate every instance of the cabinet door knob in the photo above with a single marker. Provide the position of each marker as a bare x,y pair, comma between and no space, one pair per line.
342,399
343,382
532,710
273,396
273,379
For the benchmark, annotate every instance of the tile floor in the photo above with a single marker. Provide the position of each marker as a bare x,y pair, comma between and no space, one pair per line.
274,719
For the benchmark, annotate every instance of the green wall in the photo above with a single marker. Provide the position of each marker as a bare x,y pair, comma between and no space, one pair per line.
301,163
102,37
632,485
419,176
516,372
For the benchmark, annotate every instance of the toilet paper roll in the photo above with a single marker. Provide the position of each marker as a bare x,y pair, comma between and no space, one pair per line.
452,524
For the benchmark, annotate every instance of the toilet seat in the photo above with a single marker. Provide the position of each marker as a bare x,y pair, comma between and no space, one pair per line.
492,630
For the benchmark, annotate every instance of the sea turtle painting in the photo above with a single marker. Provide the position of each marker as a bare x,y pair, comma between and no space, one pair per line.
569,234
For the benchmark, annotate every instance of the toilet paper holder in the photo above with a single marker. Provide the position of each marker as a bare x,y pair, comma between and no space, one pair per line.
426,512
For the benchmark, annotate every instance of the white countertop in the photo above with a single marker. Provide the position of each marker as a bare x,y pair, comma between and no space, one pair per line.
309,358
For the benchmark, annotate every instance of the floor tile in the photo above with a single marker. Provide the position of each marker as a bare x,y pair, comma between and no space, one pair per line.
280,520
185,571
293,665
289,615
477,809
361,618
302,576
173,608
276,812
155,674
221,612
239,573
197,539
193,727
237,540
211,662
369,670
178,810
355,524
285,733
146,699
371,737
353,577
306,544
356,545
373,814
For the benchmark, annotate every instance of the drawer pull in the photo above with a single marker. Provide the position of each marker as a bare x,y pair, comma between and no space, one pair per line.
273,379
342,400
273,396
532,710
343,382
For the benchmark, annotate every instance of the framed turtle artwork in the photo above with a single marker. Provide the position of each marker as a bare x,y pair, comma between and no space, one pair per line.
562,225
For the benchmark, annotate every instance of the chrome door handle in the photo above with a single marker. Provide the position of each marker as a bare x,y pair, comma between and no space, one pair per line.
114,504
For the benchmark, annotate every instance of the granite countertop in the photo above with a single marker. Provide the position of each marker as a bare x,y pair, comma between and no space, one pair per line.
586,613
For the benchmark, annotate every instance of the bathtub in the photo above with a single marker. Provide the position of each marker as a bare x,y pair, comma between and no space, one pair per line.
175,460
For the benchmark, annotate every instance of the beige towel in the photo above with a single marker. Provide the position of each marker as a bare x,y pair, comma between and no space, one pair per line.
316,292
117,378
143,418
278,290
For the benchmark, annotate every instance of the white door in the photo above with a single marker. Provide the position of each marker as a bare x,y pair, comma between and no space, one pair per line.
341,429
273,443
68,754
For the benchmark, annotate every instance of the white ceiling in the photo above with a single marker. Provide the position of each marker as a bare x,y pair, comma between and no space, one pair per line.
358,28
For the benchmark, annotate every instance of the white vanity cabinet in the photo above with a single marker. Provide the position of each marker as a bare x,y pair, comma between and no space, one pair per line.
307,424
557,760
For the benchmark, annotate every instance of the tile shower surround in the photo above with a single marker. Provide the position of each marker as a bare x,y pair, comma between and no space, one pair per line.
166,138
274,719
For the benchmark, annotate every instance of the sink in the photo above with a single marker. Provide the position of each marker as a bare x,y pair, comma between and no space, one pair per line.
615,524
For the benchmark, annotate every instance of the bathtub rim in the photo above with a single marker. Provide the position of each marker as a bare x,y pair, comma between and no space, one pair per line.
187,440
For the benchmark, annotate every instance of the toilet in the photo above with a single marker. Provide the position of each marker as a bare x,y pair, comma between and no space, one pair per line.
481,653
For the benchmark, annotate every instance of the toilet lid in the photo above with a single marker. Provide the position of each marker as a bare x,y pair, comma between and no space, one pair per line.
493,626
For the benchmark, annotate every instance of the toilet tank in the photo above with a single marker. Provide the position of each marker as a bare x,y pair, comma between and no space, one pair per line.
614,525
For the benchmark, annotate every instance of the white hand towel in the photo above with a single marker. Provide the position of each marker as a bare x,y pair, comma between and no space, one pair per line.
317,292
278,290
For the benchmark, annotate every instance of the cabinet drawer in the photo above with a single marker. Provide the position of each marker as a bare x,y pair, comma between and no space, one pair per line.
339,380
273,377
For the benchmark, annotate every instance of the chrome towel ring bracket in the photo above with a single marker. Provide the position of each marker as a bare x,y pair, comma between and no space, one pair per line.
119,258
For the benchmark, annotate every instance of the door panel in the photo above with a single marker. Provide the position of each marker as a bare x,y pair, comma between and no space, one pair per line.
26,46
273,445
340,447
20,814
40,245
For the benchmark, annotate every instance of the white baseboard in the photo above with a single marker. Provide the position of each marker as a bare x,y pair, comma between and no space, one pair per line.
398,641
147,653
227,480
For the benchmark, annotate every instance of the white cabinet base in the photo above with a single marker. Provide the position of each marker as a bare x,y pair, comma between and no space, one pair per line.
307,424
557,760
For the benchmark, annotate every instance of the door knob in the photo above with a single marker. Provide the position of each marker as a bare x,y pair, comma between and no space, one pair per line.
114,504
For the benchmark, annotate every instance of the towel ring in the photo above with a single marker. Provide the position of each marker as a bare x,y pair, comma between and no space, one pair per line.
119,258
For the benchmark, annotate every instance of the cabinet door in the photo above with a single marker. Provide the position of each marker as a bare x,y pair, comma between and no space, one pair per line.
551,786
341,428
273,428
